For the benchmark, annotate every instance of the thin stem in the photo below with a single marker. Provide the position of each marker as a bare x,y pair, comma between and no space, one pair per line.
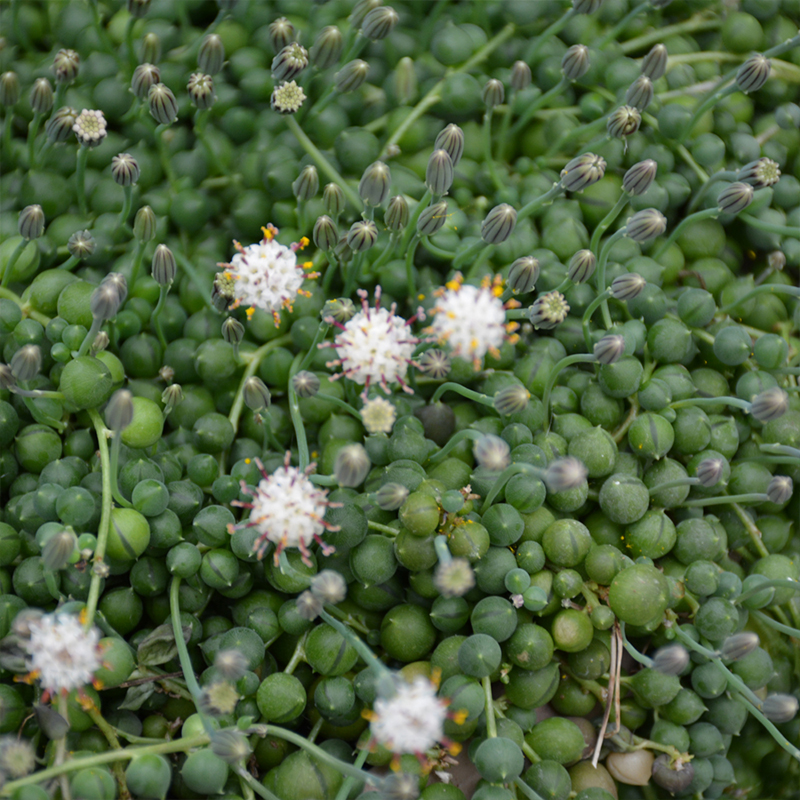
722,175
200,283
509,472
163,154
701,109
298,655
443,553
540,201
706,213
180,643
70,263
329,398
778,583
612,33
736,402
699,22
319,336
97,323
369,658
531,110
115,492
105,517
774,732
602,226
80,178
350,782
491,722
477,397
438,252
126,205
578,358
455,440
61,746
600,280
129,44
247,781
632,651
33,129
768,227
297,418
673,484
587,316
470,254
137,263
719,500
549,32
778,626
156,317
487,150
11,262
411,280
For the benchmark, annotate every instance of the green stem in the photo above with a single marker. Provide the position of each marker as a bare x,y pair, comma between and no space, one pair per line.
443,553
80,178
180,643
719,500
105,516
247,781
672,484
587,316
519,783
319,336
129,44
722,175
164,155
578,358
477,397
33,129
390,247
322,162
612,33
297,418
701,109
768,227
470,254
706,213
454,441
329,398
438,252
632,651
778,583
126,206
200,283
137,263
61,747
540,201
11,261
549,33
699,22
115,492
333,267
773,731
487,150
491,722
369,658
778,626
780,449
163,291
70,263
736,402
529,112
97,323
298,655
752,530
384,529
350,782
353,272
504,477
411,280
600,280
411,229
602,226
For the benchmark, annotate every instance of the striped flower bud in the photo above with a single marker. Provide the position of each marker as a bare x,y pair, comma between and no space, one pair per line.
405,81
144,224
66,65
329,586
434,363
31,222
171,396
306,185
564,474
735,198
290,62
351,76
710,471
333,199
138,8
26,362
360,11
125,169
645,225
58,550
201,90
9,89
145,76
163,266
760,173
770,404
163,105
575,63
638,179
116,280
623,122
305,384
59,126
119,411
230,745
493,93
586,6
581,266
379,23
352,465
81,244
151,48
640,93
104,302
362,235
327,48
671,659
654,64
7,379
609,349
287,98
439,172
373,188
451,140
779,490
432,219
520,76
582,171
780,708
396,216
511,400
325,234
231,664
256,394
281,34
627,287
548,311
42,96
340,309
492,453
523,274
753,74
391,496
308,606
499,224
738,646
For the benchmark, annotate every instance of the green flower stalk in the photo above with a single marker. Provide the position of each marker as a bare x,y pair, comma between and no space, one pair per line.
125,172
42,101
31,226
119,415
164,269
625,287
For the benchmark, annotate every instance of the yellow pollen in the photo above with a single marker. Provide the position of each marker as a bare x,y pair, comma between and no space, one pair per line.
304,241
250,311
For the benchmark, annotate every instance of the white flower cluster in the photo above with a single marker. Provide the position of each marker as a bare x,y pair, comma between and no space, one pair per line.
62,655
90,128
378,415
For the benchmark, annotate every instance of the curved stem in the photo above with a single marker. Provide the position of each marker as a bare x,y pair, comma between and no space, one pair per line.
736,402
80,179
701,109
699,22
706,213
719,500
114,470
97,323
177,629
33,129
778,583
613,32
722,175
129,44
126,205
163,291
11,261
587,316
329,398
531,109
577,358
70,263
540,201
600,280
768,227
470,254
478,397
602,226
778,626
297,418
673,484
773,731
369,658
411,280
455,440
487,150
550,31
506,475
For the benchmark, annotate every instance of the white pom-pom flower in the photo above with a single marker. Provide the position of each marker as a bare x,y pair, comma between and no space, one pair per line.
378,415
287,510
264,275
61,654
374,346
472,319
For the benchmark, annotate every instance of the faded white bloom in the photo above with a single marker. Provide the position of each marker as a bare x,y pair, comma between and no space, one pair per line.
90,128
378,415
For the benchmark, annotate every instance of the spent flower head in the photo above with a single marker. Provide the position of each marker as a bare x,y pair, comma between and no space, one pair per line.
454,578
90,128
287,98
548,311
378,415
329,586
564,474
492,453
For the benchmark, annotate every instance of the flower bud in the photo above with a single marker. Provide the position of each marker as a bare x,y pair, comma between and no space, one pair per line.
776,260
609,349
362,235
290,62
379,23
287,98
31,222
308,606
396,216
116,280
439,173
360,11
511,400
163,266
451,140
144,224
710,471
327,48
307,184
201,90
151,49
770,404
281,34
163,105
753,74
492,453
779,490
645,225
780,708
211,55
391,496
81,244
9,89
125,169
627,287
671,659
138,8
736,647
333,199
582,171
66,65
7,379
432,219
735,198
586,6
373,188
119,411
352,465
230,745
493,93
104,302
548,311
640,93
42,96
340,310
325,234
351,76
256,394
405,81
499,224
329,586
305,384
575,63
145,77
59,126
58,550
760,173
434,363
523,274
454,578
172,395
654,64
101,342
638,179
581,266
231,664
565,474
520,76
90,128
623,122
26,362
